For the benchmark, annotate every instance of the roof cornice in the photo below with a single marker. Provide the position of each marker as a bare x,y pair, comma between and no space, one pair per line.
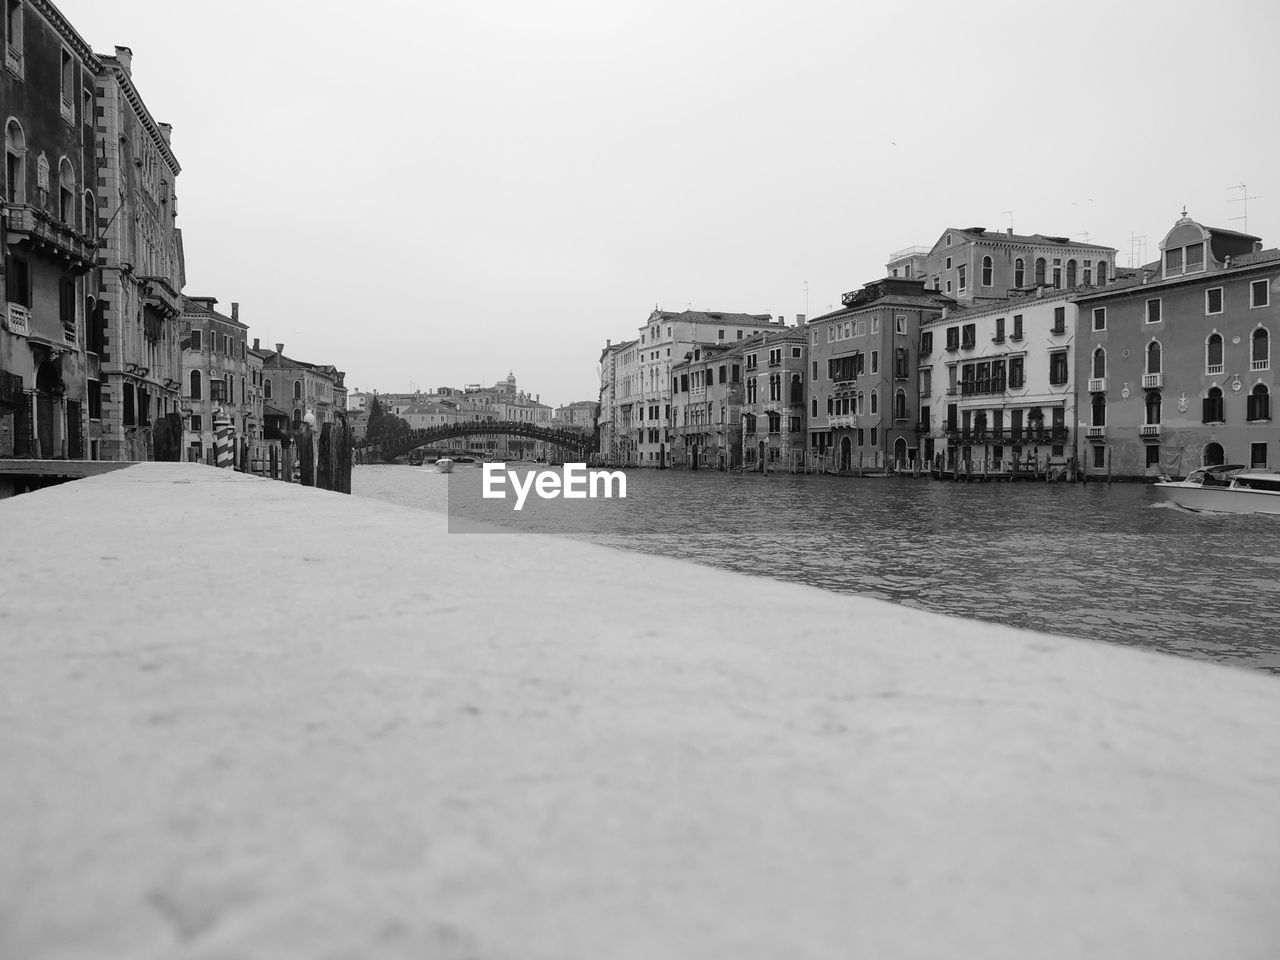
113,66
69,34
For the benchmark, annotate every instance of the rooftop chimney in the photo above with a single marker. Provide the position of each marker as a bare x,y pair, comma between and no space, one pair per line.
799,319
166,130
255,344
125,56
1009,231
235,310
279,348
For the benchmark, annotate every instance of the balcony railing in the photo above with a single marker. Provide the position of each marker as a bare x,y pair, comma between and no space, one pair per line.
1152,381
970,388
19,319
1213,370
13,59
1097,384
839,420
68,109
1149,430
1096,433
1008,434
50,236
1260,364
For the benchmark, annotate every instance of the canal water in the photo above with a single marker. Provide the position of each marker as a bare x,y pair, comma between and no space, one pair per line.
1111,563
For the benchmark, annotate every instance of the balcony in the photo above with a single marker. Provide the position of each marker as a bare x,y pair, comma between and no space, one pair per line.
775,363
970,388
1152,381
1097,384
159,295
40,233
838,421
13,59
1096,433
68,109
697,393
18,319
1149,430
1213,370
1260,364
968,344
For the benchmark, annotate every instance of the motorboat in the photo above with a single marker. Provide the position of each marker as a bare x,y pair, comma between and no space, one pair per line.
444,465
1225,488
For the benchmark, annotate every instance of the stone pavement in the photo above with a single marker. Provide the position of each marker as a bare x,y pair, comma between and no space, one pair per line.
244,719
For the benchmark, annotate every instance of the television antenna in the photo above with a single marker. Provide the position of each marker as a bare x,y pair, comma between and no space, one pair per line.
1243,200
1137,249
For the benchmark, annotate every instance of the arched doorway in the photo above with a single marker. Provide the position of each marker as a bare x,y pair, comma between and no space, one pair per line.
48,388
1213,455
846,453
900,451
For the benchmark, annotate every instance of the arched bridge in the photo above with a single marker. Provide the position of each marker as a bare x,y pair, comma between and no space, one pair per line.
570,440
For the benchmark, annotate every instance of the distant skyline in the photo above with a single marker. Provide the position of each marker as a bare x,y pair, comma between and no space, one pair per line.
440,192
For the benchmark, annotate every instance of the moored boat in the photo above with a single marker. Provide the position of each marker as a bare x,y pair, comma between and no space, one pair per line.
444,465
1226,488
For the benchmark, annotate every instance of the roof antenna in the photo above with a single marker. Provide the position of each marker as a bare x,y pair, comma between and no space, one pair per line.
1010,213
1243,200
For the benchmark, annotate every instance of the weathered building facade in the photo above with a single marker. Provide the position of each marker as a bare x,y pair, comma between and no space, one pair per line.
218,380
49,397
1176,366
140,266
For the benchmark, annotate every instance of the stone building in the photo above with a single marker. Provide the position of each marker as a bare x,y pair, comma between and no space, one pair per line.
218,380
997,383
773,399
706,406
140,266
973,264
307,393
1175,363
619,380
50,396
863,386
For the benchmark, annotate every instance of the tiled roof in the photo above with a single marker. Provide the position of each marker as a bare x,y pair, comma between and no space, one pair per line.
195,308
713,316
1252,259
927,303
1022,239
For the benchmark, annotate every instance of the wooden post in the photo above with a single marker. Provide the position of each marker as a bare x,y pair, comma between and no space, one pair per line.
306,447
1108,463
342,454
324,463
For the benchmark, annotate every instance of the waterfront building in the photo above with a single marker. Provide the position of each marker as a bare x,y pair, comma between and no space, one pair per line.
1176,363
619,385
423,416
773,400
974,265
218,384
50,396
140,266
580,415
863,390
706,406
307,393
666,335
997,383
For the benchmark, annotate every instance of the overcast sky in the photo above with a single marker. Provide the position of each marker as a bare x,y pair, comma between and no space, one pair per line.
430,193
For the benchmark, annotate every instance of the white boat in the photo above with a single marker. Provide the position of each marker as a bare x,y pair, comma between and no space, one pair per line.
444,465
1227,488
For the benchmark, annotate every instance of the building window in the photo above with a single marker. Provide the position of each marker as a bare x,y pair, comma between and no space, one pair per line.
1102,273
1153,455
1059,320
1040,266
900,363
1099,410
66,193
875,401
1213,455
900,405
1213,406
1099,363
926,343
196,339
1195,257
1259,404
1017,327
13,30
1153,311
1019,272
1261,352
719,334
999,337
948,263
1071,273
1058,367
1153,407
1153,357
1258,456
195,393
1173,261
266,389
1099,318
1213,355
297,389
1259,293
986,271
297,419
1017,374
197,423
969,336
15,153
899,324
948,286
1213,300
961,274
875,361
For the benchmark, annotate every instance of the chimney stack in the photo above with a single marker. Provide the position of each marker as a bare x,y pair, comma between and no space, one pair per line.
1009,231
279,348
166,130
125,56
235,310
799,319
255,344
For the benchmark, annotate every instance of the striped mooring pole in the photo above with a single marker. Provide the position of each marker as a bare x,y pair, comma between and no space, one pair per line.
224,442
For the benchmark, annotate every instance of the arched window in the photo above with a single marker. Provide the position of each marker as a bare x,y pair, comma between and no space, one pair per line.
1102,273
1099,362
1213,455
875,401
1153,406
266,389
1213,406
1259,404
1261,355
297,389
900,405
1071,274
90,220
1019,272
15,163
814,407
297,418
986,271
1099,406
195,385
1040,271
1213,354
66,192
1153,357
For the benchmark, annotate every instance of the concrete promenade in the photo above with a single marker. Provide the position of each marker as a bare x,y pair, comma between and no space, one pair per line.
246,719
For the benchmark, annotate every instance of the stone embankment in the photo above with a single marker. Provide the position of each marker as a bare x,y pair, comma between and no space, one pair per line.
249,719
